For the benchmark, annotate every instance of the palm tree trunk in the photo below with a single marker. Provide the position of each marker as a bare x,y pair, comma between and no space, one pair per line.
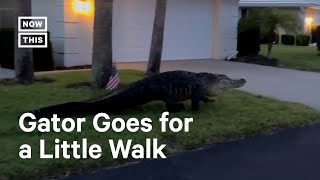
271,39
157,38
270,45
24,69
102,43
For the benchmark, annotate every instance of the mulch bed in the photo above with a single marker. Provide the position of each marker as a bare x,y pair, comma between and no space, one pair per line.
258,59
74,67
14,82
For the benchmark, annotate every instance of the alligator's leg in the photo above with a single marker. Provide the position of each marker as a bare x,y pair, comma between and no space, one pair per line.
174,106
195,104
171,103
197,96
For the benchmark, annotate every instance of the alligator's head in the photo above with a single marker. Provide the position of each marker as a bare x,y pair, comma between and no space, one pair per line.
217,83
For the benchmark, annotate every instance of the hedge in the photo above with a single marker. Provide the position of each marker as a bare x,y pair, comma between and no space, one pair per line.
317,36
302,40
248,39
42,57
7,48
287,39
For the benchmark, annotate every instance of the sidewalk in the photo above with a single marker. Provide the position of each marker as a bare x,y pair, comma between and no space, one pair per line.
282,84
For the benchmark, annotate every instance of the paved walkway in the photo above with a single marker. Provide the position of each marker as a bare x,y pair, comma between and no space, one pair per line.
290,155
283,84
6,73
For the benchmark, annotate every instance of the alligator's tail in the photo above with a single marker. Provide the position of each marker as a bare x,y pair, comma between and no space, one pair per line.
65,110
110,104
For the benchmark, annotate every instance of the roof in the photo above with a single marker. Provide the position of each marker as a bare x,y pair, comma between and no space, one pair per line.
280,3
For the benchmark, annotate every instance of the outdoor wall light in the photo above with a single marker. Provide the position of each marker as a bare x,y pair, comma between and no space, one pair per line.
83,6
309,20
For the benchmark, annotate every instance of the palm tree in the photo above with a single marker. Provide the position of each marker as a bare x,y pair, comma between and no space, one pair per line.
102,43
23,56
157,38
270,19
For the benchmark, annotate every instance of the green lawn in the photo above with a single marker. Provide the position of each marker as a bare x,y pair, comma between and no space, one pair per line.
235,114
295,57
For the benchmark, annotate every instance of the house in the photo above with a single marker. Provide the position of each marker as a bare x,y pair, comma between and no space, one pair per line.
194,29
308,10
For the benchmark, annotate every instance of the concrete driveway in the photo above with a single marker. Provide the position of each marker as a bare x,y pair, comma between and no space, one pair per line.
6,73
283,84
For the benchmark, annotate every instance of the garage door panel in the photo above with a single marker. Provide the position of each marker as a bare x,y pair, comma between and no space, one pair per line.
130,39
131,55
132,31
188,30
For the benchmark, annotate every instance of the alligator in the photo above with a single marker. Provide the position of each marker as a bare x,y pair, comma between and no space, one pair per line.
171,87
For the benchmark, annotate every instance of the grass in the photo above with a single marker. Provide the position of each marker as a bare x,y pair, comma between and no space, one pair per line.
235,114
295,57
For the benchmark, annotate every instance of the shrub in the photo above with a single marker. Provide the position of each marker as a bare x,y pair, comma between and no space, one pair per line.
302,40
43,58
317,36
7,48
287,39
248,39
314,34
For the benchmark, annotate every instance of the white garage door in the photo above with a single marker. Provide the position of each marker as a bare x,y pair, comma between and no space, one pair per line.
188,30
132,29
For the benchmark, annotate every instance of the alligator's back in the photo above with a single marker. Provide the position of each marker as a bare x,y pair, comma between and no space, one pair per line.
156,87
176,84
